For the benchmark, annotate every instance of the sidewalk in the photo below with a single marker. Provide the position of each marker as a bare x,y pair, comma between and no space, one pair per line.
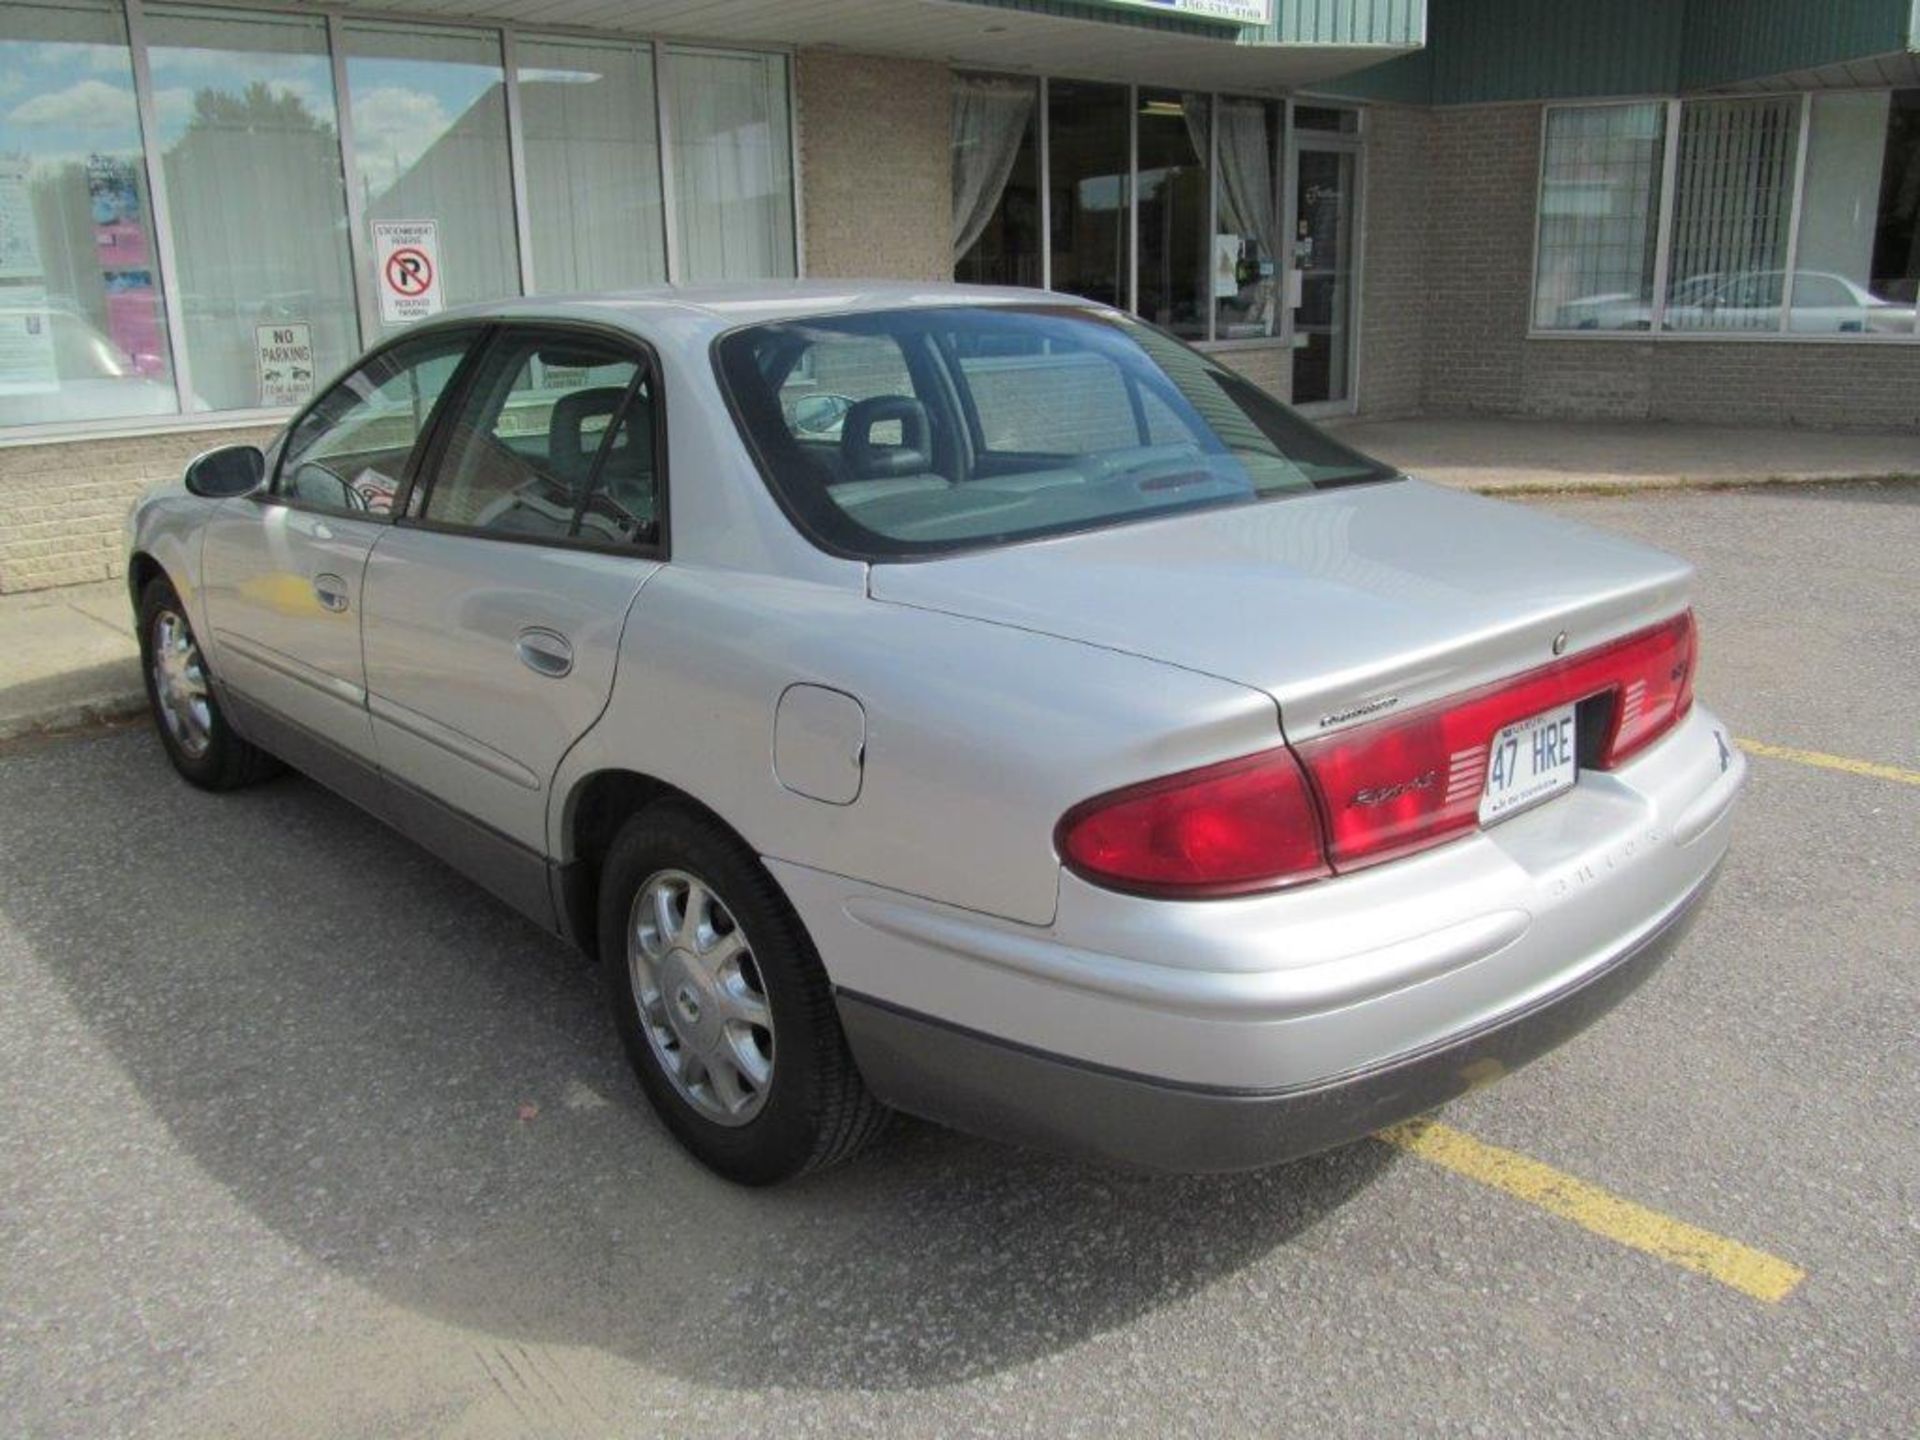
67,657
1522,457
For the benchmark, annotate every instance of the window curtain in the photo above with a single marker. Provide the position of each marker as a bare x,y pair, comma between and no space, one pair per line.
990,117
732,165
1247,171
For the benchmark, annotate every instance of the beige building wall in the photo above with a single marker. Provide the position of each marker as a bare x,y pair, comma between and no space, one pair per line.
875,184
62,506
1393,261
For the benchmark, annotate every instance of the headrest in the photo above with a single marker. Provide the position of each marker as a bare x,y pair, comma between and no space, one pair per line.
566,448
866,460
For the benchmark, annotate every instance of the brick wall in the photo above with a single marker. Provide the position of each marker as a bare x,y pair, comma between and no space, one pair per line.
62,506
1479,251
1393,261
875,173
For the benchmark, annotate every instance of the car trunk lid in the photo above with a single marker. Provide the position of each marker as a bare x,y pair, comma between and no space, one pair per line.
1342,605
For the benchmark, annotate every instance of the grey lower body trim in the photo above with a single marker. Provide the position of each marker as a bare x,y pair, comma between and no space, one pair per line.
991,1087
498,864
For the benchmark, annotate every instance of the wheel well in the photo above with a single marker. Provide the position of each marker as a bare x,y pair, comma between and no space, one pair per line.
141,570
601,804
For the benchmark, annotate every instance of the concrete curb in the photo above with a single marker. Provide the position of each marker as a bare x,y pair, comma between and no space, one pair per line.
1620,485
23,717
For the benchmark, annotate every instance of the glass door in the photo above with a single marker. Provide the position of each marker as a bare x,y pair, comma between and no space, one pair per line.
1325,197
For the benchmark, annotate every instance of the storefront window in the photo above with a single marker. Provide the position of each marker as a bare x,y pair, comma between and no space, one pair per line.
82,328
732,162
1174,254
1247,249
1732,204
430,142
1858,265
1599,217
593,164
1087,190
996,181
257,206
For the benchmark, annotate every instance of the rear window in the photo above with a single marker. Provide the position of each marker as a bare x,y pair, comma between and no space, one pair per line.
908,432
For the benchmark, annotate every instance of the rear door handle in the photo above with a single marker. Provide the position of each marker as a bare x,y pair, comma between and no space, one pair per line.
331,591
545,652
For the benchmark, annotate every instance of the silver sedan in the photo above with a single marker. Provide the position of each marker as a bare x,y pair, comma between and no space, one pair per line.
970,702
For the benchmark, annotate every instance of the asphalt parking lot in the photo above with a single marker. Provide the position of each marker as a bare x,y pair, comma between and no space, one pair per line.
306,1136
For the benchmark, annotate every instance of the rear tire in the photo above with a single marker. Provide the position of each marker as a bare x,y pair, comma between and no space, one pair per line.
199,740
723,1005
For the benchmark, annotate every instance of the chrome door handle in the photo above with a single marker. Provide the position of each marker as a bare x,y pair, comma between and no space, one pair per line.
545,652
331,591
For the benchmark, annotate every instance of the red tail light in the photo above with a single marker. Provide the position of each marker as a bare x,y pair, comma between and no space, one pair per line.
1376,791
1247,824
1403,784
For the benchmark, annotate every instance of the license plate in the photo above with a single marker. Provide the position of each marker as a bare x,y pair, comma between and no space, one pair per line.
1529,760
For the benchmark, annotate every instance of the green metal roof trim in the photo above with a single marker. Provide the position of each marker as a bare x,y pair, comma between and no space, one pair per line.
1400,23
1728,40
1481,51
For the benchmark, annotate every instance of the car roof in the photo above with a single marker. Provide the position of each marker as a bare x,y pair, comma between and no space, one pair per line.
693,310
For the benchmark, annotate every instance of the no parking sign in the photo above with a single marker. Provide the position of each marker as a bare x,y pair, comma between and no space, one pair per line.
407,256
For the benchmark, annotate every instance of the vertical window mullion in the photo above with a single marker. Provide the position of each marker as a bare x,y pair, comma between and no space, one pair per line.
1133,200
1213,211
517,156
663,135
1286,162
794,178
1791,273
359,248
157,208
1046,189
1663,242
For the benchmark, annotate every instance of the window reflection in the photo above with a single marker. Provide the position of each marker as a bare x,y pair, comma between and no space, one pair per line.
82,329
248,129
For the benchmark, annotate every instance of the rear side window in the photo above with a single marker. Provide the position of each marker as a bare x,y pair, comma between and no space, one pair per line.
554,439
918,431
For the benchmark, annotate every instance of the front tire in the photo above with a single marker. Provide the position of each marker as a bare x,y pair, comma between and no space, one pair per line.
723,1005
198,739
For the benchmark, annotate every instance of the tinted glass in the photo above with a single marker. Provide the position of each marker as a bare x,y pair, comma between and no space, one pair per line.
349,452
1087,157
550,424
1005,423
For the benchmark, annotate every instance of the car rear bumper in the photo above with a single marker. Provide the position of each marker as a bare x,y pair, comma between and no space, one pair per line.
1224,1033
988,1086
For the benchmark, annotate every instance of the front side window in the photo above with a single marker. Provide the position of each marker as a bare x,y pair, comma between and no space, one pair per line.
349,453
82,329
1007,423
554,440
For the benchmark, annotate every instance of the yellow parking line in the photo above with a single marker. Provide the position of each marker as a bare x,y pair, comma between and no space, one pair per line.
1752,1272
1831,762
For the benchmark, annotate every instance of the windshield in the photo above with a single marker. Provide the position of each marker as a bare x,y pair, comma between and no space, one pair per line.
906,432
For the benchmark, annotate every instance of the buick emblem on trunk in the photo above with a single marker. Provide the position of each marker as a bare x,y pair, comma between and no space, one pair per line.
1560,643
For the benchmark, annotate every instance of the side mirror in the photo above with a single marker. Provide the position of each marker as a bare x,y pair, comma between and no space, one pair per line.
224,473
